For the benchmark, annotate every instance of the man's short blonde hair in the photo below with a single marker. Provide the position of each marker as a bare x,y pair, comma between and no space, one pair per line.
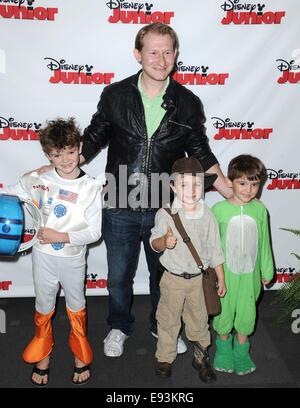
158,28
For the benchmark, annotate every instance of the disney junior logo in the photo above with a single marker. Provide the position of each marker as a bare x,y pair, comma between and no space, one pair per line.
18,130
187,74
249,13
281,180
136,13
234,130
93,283
24,10
5,285
290,70
67,73
284,274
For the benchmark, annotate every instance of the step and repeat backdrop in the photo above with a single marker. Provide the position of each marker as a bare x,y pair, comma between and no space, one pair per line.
242,58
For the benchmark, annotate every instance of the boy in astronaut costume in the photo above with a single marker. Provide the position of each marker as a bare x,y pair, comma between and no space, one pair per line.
244,232
70,202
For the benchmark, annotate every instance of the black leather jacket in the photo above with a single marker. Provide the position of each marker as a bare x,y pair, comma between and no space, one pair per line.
120,123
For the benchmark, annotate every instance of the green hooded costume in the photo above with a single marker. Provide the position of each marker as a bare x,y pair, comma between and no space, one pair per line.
245,242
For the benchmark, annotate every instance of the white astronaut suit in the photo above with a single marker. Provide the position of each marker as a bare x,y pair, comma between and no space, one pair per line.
72,206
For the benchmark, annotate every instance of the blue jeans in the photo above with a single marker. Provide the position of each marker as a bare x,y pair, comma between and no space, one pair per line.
123,231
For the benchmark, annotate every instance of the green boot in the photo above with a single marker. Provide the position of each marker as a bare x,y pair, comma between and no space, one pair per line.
242,361
223,360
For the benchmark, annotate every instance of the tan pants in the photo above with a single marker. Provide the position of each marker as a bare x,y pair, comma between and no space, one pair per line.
180,297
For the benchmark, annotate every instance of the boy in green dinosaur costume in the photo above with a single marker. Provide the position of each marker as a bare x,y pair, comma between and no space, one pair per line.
244,231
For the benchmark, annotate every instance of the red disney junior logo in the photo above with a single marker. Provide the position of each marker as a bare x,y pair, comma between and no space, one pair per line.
74,73
231,130
19,11
282,180
136,13
17,130
4,285
249,13
93,283
290,69
283,275
197,75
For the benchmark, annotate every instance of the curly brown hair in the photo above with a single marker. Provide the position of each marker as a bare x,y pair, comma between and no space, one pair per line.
58,134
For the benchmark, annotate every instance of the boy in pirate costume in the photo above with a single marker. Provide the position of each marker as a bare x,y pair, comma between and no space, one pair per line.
244,232
70,202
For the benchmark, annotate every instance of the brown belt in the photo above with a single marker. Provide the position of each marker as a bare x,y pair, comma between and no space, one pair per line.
186,275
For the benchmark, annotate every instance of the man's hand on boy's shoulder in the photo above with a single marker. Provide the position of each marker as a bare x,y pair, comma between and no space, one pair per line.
41,170
44,169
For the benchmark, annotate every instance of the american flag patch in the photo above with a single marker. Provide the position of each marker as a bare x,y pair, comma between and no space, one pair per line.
67,196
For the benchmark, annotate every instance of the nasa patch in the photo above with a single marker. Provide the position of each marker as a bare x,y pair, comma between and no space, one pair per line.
57,246
60,210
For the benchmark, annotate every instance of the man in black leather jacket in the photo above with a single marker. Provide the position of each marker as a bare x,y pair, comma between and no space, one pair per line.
148,121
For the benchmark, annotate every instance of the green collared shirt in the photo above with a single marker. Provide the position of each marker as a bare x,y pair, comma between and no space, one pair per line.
152,107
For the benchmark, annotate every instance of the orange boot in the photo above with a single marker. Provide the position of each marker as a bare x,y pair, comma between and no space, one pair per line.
78,341
41,345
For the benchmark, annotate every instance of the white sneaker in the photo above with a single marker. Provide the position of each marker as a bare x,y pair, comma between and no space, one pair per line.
181,346
113,343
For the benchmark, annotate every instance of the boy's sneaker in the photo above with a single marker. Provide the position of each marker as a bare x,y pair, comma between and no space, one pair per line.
113,343
181,346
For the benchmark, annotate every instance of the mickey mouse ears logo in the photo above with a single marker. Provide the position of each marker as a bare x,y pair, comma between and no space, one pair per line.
290,70
249,13
288,65
14,124
197,75
234,130
67,73
29,4
18,130
123,4
136,13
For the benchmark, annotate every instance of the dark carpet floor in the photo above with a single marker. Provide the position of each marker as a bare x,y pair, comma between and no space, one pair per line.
275,350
